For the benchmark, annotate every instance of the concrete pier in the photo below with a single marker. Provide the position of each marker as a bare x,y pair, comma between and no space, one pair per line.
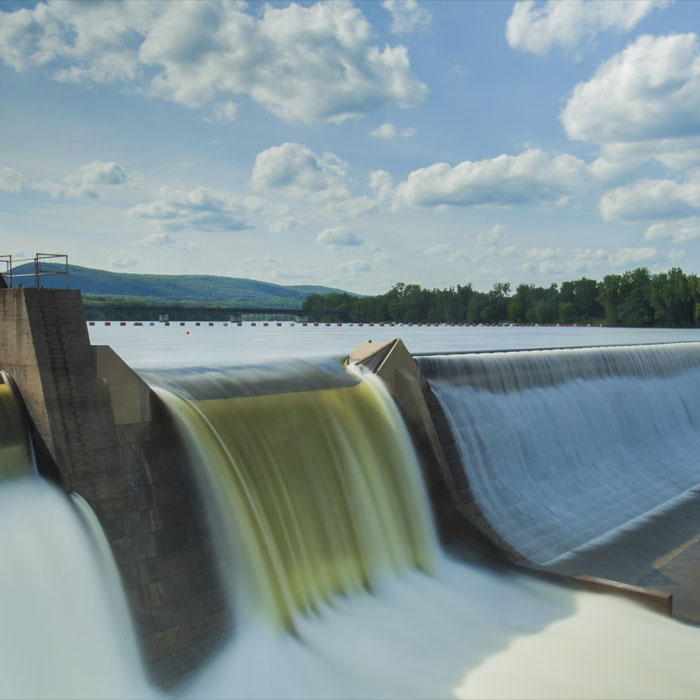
107,437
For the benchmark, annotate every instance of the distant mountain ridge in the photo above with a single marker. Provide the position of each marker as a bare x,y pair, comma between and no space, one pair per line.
208,290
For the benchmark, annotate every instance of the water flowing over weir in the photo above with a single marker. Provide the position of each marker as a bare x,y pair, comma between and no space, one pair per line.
15,448
316,487
65,629
565,449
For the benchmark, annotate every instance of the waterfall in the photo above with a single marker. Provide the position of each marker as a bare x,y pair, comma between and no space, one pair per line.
313,479
563,449
62,632
16,456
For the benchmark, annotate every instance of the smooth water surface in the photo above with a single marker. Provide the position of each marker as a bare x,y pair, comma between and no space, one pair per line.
175,345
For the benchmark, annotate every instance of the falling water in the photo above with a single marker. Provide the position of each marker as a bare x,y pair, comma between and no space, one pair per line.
16,457
315,483
310,474
565,448
64,631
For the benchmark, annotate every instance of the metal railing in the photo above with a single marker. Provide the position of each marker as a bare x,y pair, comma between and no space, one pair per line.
10,263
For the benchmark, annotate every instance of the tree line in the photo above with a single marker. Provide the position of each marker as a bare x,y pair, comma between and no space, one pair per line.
637,298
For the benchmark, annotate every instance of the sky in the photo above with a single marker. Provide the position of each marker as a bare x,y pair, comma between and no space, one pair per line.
354,145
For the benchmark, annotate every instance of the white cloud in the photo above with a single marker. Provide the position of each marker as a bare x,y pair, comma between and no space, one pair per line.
223,113
490,236
384,131
588,260
123,260
642,103
406,16
652,199
540,254
305,64
532,176
165,240
11,180
381,258
626,257
675,255
389,131
438,249
200,209
675,231
88,182
382,184
537,27
338,237
280,224
299,172
352,268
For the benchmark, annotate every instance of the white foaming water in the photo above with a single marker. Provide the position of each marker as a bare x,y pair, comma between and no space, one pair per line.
62,632
564,448
464,633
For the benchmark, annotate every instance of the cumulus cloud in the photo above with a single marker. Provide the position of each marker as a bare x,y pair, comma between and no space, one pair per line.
315,63
165,240
123,260
652,199
200,209
87,182
382,184
642,103
299,172
406,16
223,113
537,27
11,180
338,237
627,257
389,131
674,231
438,249
352,268
381,258
532,176
384,131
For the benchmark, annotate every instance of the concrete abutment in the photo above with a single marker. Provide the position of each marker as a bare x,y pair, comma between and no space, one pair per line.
111,441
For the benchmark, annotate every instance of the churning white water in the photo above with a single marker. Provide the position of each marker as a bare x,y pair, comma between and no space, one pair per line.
62,627
564,448
463,633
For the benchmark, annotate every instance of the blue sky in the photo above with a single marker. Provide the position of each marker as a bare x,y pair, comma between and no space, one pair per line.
353,145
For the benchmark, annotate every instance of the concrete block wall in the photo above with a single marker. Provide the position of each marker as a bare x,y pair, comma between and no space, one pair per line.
458,517
111,442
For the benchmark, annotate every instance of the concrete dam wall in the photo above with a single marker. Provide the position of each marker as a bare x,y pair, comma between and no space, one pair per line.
312,477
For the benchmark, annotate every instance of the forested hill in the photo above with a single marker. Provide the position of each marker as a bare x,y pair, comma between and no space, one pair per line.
208,290
636,298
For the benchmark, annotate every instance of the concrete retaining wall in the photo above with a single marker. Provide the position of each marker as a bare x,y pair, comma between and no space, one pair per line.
111,441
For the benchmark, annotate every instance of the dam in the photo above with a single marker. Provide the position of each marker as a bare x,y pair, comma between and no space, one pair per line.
369,523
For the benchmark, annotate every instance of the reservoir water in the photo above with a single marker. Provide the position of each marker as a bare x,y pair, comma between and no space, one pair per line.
339,585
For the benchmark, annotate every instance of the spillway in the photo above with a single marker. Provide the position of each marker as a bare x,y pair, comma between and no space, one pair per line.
338,587
565,449
316,487
16,457
65,629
